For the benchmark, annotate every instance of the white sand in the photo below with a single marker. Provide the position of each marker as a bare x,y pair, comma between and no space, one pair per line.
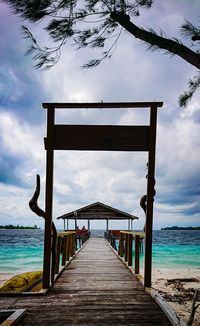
5,276
170,292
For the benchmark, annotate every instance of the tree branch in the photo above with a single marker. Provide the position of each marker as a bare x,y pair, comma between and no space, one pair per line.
193,309
158,41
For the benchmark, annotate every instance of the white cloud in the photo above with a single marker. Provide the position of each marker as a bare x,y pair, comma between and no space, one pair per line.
117,179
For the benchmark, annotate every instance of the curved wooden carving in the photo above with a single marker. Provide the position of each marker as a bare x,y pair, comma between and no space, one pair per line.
143,203
33,204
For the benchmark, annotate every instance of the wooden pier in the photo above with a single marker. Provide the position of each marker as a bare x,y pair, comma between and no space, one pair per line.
96,288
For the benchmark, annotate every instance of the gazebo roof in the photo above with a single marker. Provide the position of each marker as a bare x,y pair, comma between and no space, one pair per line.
97,211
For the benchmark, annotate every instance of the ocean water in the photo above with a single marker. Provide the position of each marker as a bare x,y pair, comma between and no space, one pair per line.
22,250
176,249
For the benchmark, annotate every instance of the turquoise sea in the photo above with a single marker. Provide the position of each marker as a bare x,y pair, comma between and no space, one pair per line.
22,250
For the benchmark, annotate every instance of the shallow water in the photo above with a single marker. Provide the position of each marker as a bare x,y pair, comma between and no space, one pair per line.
22,250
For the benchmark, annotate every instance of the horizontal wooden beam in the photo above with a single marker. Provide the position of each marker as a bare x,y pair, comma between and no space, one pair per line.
100,138
97,217
102,105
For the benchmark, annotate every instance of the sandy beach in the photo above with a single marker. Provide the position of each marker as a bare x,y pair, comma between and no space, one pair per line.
5,276
178,294
179,297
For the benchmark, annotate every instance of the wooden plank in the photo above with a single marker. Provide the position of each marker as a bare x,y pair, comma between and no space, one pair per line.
103,293
105,138
101,105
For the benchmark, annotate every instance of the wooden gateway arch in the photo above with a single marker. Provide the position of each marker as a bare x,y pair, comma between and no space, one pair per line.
100,138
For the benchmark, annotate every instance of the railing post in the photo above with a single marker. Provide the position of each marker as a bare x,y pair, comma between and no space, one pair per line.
64,249
126,247
121,245
130,249
59,239
68,247
137,254
73,245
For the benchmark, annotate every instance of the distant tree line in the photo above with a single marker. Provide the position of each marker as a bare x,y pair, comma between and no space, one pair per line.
181,228
10,226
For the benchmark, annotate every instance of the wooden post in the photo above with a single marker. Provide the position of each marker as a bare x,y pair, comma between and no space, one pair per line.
64,249
88,225
120,251
67,224
64,223
137,254
107,225
121,245
150,195
48,197
126,247
59,239
131,225
130,249
68,247
73,244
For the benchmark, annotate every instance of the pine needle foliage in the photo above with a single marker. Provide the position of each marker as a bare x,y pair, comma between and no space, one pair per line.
99,24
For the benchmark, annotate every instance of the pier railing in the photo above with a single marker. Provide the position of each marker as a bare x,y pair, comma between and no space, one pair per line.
63,249
62,245
129,243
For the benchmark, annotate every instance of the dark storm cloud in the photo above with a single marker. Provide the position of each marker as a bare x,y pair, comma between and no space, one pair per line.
8,175
20,87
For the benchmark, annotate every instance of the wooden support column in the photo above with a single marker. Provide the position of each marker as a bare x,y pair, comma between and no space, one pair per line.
48,197
88,225
67,224
121,245
137,254
64,223
126,247
150,197
107,225
131,225
58,251
130,249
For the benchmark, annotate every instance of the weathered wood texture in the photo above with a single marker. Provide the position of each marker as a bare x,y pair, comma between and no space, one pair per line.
95,289
98,211
101,105
106,138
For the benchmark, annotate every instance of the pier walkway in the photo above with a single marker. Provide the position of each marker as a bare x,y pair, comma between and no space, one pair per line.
95,289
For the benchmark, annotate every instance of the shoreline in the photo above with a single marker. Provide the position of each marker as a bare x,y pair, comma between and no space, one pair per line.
178,294
4,276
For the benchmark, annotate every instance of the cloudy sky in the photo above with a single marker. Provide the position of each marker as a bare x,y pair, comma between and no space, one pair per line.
81,178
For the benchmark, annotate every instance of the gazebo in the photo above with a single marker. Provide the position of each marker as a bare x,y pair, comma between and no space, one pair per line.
97,211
